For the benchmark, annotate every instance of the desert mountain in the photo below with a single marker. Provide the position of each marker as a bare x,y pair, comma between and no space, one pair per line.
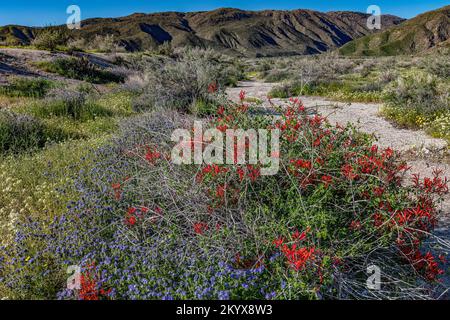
270,32
426,31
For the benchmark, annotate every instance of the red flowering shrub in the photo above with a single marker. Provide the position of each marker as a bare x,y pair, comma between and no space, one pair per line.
337,204
345,191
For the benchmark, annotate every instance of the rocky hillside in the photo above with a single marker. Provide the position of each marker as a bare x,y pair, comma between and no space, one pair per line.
424,32
268,32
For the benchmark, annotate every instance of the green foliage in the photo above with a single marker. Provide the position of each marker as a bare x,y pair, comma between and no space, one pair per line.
416,90
50,39
80,69
24,133
26,87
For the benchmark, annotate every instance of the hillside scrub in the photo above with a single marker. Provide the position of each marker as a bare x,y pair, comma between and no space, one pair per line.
50,39
145,228
80,69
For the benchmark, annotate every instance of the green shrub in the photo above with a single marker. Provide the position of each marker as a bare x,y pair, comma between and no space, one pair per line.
26,87
416,90
193,75
50,39
203,108
24,133
80,69
73,104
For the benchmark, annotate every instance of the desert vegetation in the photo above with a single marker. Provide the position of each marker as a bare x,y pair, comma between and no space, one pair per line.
87,180
413,90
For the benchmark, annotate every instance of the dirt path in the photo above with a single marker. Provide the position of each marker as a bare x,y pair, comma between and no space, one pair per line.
423,153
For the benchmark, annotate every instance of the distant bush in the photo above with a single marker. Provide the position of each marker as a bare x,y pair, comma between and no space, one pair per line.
107,43
416,90
437,65
80,69
50,39
26,87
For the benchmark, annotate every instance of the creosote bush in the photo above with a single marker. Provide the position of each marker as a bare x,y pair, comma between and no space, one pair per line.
191,76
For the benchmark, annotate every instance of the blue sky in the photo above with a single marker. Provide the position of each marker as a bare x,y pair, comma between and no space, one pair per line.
45,12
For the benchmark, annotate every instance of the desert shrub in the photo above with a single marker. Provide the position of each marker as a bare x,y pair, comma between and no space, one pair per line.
80,69
26,87
194,75
106,43
76,45
142,103
418,91
24,133
74,104
278,75
165,49
50,39
387,76
437,65
145,228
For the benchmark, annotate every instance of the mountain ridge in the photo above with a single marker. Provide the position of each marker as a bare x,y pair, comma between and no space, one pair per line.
421,33
266,32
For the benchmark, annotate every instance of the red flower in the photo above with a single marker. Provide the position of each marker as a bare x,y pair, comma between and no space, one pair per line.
278,242
347,171
117,188
355,225
378,191
388,153
131,220
221,110
220,191
300,237
298,258
89,285
200,228
241,174
242,95
327,180
222,128
253,173
378,219
212,88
